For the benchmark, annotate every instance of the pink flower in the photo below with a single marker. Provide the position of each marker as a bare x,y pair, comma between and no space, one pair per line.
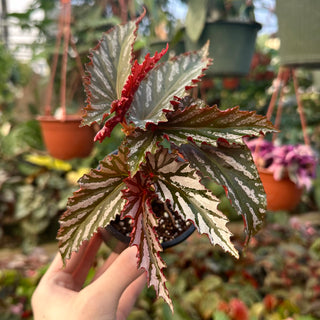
298,162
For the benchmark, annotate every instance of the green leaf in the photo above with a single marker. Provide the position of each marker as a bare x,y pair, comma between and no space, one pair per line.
94,205
207,124
138,207
175,181
163,83
139,143
232,166
108,70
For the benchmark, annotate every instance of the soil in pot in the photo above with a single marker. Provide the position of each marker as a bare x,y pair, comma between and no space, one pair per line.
171,231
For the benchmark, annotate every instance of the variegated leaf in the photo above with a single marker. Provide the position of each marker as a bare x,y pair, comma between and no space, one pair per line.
208,124
144,236
178,183
163,83
232,166
139,143
121,106
94,205
108,70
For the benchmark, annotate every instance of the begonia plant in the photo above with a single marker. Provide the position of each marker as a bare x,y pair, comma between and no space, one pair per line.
172,143
297,162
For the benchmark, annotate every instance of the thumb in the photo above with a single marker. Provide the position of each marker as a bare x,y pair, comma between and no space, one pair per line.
113,282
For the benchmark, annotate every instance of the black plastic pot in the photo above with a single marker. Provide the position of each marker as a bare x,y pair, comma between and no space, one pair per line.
169,232
125,239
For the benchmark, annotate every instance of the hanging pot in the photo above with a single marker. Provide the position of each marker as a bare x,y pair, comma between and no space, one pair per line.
64,138
299,25
232,45
281,195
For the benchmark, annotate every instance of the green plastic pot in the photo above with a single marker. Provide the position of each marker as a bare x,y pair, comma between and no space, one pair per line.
299,32
232,45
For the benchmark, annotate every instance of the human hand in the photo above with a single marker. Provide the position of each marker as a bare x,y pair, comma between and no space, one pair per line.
111,294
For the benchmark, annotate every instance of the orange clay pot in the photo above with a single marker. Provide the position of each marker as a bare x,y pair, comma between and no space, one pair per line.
282,194
64,138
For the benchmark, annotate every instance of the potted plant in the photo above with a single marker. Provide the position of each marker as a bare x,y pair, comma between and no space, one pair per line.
231,28
173,148
285,170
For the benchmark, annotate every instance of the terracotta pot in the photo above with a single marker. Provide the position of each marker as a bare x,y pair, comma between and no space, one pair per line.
65,139
282,194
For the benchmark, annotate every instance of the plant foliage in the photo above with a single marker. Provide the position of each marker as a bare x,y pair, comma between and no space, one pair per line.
151,102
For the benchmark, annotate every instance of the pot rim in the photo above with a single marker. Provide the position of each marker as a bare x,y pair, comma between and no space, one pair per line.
264,170
67,118
254,24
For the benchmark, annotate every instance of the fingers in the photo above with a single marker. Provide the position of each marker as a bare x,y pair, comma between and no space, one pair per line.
78,265
113,282
112,257
56,265
85,263
130,296
84,256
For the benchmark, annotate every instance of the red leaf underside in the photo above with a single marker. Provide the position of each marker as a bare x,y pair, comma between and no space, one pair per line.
139,196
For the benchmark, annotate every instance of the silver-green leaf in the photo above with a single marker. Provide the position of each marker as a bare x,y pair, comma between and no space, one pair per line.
175,181
139,143
108,71
94,205
163,83
232,166
208,124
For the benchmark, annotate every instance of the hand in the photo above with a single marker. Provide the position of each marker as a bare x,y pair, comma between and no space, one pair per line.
111,295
